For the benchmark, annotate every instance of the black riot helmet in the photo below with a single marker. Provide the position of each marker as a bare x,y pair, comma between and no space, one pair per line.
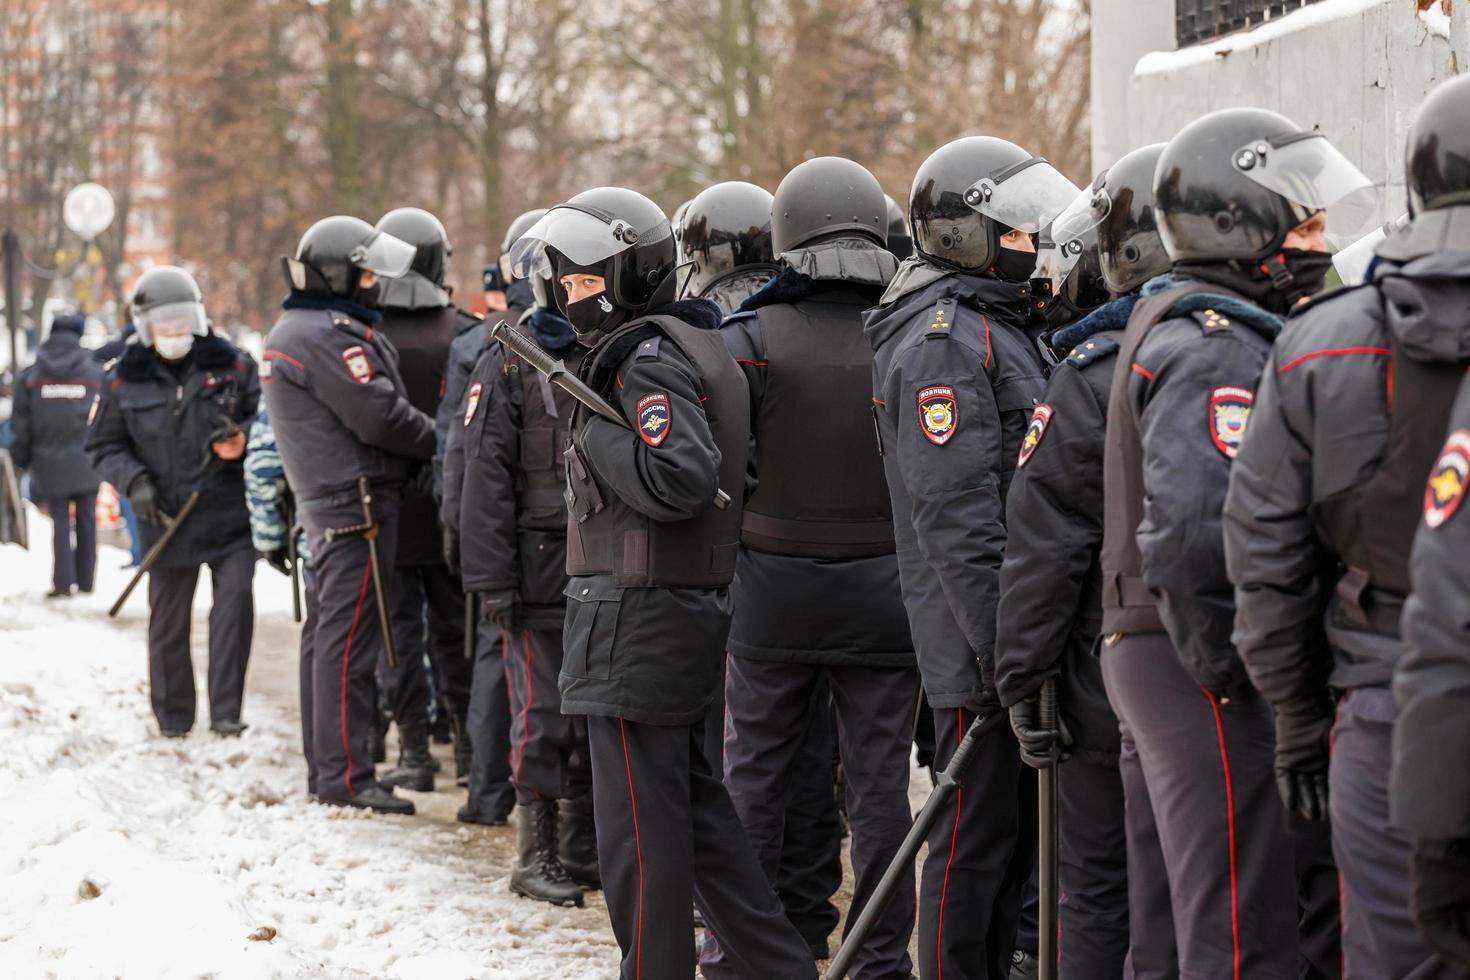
1119,209
676,222
1069,263
422,287
726,234
1232,184
971,191
335,251
824,196
1439,148
518,227
900,242
168,293
614,227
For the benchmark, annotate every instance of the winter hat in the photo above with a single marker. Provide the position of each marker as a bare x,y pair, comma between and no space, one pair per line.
74,323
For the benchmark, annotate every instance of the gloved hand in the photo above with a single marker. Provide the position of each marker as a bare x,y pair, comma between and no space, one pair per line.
143,495
503,609
276,558
1041,748
1302,734
1439,897
450,544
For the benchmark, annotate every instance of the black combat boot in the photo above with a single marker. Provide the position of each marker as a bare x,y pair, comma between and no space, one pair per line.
377,798
577,842
538,874
415,769
463,752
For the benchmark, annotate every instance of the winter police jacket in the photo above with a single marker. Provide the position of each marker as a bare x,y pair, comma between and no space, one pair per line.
155,422
337,403
1318,523
955,377
52,403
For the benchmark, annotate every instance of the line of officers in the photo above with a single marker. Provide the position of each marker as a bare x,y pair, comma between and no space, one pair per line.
862,469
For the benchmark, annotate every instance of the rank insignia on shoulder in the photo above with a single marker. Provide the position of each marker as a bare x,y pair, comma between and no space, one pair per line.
1035,429
472,403
1448,480
939,414
654,418
1230,410
357,365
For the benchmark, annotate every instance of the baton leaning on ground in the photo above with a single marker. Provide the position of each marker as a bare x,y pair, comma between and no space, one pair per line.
471,622
368,531
901,865
1046,839
556,372
152,557
294,560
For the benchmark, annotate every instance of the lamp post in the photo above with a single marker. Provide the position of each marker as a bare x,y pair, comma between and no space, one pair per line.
88,211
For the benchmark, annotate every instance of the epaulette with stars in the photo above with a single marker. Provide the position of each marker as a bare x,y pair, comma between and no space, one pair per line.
1211,320
1091,350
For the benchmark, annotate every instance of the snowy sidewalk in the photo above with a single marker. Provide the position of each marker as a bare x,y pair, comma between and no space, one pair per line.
125,855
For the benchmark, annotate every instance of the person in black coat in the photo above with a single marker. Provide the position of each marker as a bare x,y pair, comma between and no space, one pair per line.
53,403
171,424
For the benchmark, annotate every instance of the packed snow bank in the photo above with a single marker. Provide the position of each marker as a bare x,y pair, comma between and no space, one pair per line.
126,855
1303,18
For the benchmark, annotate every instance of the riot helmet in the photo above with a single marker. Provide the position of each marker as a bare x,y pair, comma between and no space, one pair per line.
168,311
726,235
423,286
1118,209
826,196
1439,148
1068,264
900,242
676,223
517,228
334,253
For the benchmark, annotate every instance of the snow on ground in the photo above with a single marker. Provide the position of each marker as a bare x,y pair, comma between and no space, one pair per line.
126,855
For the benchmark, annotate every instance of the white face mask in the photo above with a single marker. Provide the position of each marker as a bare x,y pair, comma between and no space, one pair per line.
174,348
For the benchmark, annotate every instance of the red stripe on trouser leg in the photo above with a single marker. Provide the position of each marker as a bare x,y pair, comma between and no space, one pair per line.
342,691
1230,829
526,708
954,835
638,848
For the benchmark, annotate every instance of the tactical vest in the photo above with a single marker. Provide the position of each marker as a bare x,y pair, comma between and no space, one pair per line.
1128,605
822,492
605,536
546,432
1371,525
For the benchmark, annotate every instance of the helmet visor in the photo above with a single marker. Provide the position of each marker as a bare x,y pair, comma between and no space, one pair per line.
1088,209
1313,175
384,255
1024,197
583,236
171,320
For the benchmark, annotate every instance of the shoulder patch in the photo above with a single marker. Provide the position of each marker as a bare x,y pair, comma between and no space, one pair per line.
1230,411
357,364
1210,320
654,418
1035,429
939,414
648,350
944,315
472,403
1448,480
1092,349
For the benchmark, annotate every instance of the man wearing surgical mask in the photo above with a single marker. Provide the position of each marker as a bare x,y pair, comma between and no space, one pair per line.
169,423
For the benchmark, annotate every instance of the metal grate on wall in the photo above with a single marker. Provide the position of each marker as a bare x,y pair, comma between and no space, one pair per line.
1201,20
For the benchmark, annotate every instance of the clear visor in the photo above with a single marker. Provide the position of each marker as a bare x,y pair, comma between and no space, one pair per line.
1025,197
384,255
1312,174
1086,212
1056,260
583,237
171,320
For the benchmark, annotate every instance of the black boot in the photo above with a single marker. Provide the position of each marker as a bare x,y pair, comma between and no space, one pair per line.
538,874
377,798
577,842
415,769
463,753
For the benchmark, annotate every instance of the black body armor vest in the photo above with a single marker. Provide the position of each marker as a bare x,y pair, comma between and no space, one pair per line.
546,433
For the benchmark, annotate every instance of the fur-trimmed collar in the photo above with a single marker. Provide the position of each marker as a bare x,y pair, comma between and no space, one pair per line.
702,314
140,363
790,286
298,300
1265,322
1110,316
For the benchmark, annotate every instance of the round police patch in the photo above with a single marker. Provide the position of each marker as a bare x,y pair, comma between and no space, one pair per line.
939,413
654,418
472,403
1448,479
1230,411
1035,429
358,365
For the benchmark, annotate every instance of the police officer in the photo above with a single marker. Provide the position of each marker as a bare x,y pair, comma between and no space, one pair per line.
725,244
1050,610
652,540
956,374
170,425
1325,496
816,592
420,321
53,400
1239,212
340,412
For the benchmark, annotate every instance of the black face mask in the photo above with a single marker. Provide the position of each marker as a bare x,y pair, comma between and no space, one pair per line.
1014,265
593,315
1308,271
370,297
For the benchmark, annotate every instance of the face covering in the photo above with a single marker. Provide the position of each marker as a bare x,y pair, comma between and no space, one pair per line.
173,348
591,315
371,297
1308,270
1014,265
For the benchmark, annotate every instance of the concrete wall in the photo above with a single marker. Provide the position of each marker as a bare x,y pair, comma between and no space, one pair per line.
1355,69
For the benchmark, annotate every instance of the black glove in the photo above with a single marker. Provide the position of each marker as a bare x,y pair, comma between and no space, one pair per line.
1439,898
277,558
1041,748
451,550
143,496
1302,734
503,609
